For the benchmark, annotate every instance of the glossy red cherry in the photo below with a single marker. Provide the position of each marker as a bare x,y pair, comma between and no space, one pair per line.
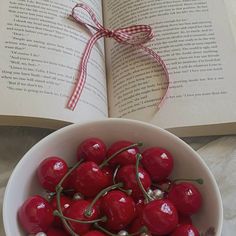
68,184
89,179
135,225
186,198
97,205
92,149
56,232
119,209
50,172
70,181
185,230
127,176
77,211
94,233
35,215
139,205
125,158
158,162
184,219
65,203
160,216
108,172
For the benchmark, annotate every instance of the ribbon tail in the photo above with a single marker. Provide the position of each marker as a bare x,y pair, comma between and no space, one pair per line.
81,78
158,59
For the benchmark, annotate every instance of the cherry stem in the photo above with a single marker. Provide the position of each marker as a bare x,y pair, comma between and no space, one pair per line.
146,195
59,189
68,173
199,181
143,229
105,162
57,213
104,230
115,173
127,191
88,212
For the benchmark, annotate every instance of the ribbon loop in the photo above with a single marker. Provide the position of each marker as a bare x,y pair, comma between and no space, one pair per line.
135,35
97,26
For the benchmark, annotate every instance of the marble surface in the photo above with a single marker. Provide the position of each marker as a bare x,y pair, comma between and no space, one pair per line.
218,152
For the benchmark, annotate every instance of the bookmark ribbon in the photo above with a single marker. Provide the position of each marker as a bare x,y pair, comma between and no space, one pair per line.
135,35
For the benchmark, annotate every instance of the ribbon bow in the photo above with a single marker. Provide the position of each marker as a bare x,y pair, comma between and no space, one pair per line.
135,35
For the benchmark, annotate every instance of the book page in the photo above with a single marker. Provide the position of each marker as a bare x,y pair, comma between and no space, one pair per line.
231,10
195,41
41,48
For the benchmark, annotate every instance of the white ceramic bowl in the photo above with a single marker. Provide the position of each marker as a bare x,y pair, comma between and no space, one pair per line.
63,143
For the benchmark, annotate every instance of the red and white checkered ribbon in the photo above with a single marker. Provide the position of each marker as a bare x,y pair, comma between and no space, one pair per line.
135,35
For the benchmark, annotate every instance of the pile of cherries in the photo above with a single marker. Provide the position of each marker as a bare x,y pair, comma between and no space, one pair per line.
112,191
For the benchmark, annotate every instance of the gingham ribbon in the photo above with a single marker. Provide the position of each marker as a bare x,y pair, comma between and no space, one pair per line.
135,35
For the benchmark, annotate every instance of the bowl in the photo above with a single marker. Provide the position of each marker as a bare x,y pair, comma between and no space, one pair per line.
187,163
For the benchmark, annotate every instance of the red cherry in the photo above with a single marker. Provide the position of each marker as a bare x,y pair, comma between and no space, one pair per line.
125,158
127,176
186,198
184,219
50,172
94,233
36,215
108,174
119,209
160,216
158,162
65,203
97,205
70,180
92,149
68,184
56,232
89,179
185,230
139,205
135,225
77,211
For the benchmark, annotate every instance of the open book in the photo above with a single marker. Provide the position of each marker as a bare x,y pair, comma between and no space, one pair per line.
41,47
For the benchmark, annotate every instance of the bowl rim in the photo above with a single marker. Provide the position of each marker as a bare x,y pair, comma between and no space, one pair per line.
111,120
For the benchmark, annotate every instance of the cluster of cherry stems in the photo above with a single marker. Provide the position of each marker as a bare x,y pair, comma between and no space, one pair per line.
118,191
